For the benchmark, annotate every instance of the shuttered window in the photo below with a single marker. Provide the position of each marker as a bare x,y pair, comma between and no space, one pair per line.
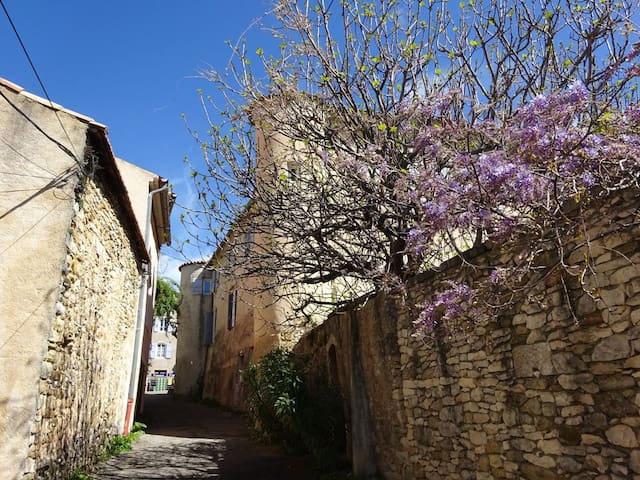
232,309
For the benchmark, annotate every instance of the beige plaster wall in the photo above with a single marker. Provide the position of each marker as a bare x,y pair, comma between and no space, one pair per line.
137,183
36,208
162,363
191,351
232,348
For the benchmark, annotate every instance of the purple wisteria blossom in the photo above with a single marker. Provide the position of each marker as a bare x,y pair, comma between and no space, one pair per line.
455,301
510,181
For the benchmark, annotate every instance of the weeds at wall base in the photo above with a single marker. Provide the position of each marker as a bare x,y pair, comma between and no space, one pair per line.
118,444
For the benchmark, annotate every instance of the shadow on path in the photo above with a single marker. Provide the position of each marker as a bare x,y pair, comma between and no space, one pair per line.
192,441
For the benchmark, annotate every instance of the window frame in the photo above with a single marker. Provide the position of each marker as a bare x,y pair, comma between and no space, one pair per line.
232,309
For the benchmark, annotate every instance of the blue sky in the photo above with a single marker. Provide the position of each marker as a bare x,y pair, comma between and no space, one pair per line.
131,65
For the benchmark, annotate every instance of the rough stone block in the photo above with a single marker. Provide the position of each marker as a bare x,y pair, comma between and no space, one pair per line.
622,436
611,348
634,461
573,382
615,382
532,360
610,297
566,362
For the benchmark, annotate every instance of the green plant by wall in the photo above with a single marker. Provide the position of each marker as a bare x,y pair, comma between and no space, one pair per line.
123,443
118,444
78,474
286,410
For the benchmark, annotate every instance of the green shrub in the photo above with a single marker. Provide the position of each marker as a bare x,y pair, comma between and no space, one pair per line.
287,411
124,443
119,444
78,474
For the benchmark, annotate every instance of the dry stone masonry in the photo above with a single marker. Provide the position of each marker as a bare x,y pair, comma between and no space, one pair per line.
85,375
547,391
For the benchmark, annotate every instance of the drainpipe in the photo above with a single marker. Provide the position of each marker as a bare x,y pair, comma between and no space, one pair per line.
142,308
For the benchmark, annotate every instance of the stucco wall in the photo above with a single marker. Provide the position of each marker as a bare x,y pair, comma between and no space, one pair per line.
36,207
161,362
137,183
534,394
85,377
191,351
232,349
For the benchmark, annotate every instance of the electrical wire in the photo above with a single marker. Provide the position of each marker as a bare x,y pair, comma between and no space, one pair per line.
35,71
25,175
26,232
62,147
17,152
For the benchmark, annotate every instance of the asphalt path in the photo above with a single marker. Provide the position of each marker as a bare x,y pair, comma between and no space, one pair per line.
190,441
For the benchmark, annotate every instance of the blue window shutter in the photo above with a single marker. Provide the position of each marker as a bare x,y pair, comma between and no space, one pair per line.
196,287
208,328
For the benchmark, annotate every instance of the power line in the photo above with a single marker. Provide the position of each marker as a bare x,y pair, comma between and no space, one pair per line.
24,49
35,71
17,152
63,147
24,175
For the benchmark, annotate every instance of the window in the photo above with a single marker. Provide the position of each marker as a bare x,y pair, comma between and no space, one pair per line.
161,350
207,286
209,327
202,286
161,324
248,239
215,278
232,309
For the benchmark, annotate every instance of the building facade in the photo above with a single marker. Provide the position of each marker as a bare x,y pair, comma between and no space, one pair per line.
162,356
195,328
73,270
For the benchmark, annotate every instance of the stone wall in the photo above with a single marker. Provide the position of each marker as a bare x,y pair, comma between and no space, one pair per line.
85,376
533,394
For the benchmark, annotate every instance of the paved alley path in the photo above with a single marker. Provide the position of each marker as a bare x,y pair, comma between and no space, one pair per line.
190,441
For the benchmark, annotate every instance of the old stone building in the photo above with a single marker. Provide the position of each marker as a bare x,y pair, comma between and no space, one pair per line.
549,390
74,264
244,325
228,317
194,317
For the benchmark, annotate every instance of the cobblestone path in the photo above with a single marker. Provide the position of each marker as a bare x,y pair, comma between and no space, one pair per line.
190,441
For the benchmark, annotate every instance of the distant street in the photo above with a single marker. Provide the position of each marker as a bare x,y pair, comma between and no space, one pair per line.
190,441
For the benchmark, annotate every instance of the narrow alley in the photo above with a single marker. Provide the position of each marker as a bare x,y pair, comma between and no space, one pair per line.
192,441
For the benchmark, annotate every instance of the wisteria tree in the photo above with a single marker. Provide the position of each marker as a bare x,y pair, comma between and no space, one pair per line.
384,137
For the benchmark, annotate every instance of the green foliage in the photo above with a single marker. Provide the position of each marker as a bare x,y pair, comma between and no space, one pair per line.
168,298
78,474
124,443
119,444
288,411
138,427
